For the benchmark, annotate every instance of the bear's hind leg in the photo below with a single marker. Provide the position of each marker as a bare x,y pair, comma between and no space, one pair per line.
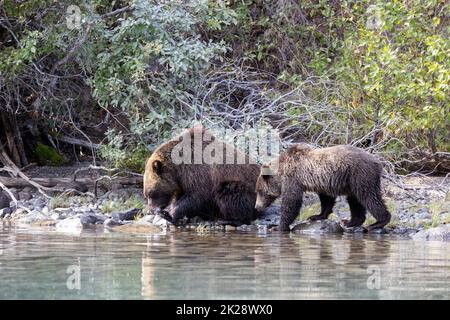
375,204
357,211
326,204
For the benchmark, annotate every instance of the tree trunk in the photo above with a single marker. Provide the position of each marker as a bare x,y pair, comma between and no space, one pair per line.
14,139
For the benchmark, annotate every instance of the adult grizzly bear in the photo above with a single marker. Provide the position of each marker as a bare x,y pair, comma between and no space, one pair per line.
196,175
330,172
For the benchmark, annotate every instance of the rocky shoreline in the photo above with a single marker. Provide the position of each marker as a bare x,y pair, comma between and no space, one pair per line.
420,214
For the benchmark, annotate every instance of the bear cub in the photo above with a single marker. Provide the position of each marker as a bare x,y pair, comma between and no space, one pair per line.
329,172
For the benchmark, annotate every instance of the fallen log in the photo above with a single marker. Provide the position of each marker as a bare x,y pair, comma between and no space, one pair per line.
52,182
78,142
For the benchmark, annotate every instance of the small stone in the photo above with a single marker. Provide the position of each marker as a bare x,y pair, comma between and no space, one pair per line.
45,210
230,228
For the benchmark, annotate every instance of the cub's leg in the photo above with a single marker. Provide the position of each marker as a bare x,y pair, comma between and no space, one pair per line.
357,211
291,203
327,204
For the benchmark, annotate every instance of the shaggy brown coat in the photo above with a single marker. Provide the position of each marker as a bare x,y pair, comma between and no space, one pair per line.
217,190
330,172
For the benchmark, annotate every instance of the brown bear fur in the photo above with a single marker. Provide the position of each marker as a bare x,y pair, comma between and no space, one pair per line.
210,190
330,172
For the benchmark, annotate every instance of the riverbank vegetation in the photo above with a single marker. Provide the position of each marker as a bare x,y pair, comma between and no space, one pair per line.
110,80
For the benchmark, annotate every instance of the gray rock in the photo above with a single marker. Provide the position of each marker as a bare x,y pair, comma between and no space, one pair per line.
24,196
125,215
81,221
148,219
92,218
249,227
318,227
358,229
161,222
404,231
112,223
32,217
71,223
441,233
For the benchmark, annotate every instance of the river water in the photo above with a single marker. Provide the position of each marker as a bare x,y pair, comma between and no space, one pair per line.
46,264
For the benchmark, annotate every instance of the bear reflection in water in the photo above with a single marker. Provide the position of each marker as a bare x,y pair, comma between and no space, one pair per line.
249,266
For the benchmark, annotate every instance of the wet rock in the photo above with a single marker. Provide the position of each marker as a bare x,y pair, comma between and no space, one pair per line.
93,218
380,231
71,223
161,222
441,233
318,227
81,221
147,219
32,217
249,227
404,231
4,200
130,214
358,229
269,217
230,228
112,223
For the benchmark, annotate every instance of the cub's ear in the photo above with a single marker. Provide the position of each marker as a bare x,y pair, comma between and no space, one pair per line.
157,167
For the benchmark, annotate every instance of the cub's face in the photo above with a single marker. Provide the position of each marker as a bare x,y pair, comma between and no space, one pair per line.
160,183
268,188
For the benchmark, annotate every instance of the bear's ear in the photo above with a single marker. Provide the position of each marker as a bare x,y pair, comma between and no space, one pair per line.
157,167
